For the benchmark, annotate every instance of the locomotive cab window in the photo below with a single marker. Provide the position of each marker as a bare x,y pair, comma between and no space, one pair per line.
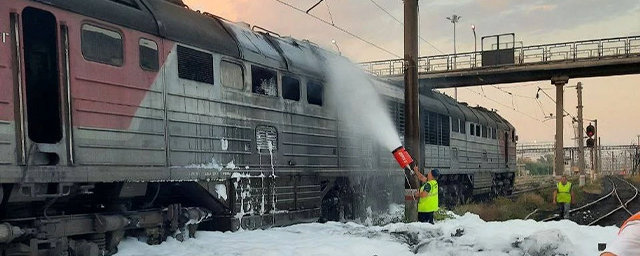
102,45
232,75
264,81
195,65
478,128
290,88
315,93
472,129
148,55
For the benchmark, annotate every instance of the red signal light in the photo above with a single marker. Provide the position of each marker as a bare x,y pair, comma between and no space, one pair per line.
591,130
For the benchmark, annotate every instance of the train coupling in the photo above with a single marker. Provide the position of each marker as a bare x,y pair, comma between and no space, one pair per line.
9,232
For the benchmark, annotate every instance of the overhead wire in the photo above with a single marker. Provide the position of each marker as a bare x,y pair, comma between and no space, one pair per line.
402,23
326,2
512,94
338,28
554,101
524,114
544,113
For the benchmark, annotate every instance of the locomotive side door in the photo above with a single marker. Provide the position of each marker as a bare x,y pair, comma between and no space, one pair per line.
40,93
506,149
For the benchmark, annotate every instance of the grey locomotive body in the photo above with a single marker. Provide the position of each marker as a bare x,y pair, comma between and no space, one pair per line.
147,118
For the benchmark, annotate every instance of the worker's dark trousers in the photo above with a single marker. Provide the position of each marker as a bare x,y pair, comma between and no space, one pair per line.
425,217
564,208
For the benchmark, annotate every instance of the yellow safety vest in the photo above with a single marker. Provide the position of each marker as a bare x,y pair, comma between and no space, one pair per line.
564,193
430,202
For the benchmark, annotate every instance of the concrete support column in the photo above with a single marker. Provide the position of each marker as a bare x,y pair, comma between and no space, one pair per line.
559,82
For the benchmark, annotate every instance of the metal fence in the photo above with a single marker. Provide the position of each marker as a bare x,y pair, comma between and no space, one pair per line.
608,48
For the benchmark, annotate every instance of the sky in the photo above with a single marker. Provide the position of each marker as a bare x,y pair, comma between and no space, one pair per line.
611,100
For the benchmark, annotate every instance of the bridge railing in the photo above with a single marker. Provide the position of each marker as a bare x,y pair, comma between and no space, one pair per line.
607,48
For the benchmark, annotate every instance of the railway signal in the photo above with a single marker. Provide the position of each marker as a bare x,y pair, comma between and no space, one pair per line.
591,130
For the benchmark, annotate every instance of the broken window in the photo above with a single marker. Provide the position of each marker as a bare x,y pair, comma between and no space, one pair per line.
315,93
264,81
290,88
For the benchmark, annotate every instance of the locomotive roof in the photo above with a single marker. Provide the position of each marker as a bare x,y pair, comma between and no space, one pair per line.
451,104
495,117
157,17
470,113
255,47
186,26
302,56
431,104
484,118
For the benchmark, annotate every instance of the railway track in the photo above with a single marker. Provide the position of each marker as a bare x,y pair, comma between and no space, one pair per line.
531,184
609,209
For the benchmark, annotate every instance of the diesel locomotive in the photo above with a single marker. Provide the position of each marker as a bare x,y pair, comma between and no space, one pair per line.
149,119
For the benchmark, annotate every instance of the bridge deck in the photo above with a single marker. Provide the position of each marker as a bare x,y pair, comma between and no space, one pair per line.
591,58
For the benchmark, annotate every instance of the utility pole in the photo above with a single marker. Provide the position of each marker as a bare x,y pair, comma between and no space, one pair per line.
412,124
613,162
598,151
580,136
559,82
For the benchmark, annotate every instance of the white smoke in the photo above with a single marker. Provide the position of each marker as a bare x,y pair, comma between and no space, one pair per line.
356,100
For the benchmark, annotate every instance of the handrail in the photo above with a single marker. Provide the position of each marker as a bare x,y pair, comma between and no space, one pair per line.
615,47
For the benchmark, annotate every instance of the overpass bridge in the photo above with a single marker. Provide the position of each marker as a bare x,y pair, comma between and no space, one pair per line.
511,62
549,148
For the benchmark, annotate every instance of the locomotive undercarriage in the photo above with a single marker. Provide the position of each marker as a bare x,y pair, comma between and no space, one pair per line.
458,189
91,219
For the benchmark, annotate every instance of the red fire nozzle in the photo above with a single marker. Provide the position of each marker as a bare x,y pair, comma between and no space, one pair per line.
403,158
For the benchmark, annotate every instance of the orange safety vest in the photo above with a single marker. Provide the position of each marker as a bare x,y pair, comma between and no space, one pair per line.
635,217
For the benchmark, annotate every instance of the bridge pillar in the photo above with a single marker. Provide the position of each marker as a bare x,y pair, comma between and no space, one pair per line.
559,82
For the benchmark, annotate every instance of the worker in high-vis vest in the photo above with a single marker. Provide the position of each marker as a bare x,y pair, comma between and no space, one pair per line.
427,194
628,240
564,196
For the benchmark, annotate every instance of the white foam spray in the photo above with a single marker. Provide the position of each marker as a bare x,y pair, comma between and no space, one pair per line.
354,96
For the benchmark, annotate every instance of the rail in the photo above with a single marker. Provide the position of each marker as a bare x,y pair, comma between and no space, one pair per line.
613,193
623,206
585,50
613,190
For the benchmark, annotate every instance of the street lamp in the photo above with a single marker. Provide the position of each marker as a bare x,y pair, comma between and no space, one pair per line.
475,45
475,40
454,19
333,41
